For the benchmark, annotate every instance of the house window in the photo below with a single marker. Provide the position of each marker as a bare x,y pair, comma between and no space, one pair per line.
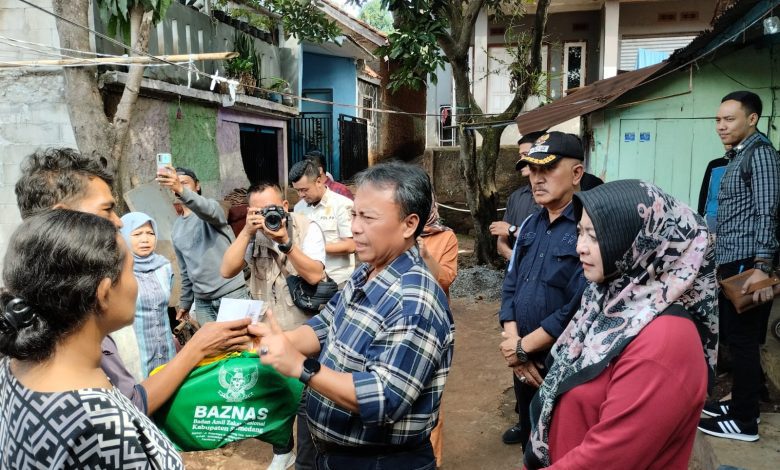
368,103
573,65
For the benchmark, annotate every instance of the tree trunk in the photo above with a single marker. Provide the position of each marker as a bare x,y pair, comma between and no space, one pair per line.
479,172
95,134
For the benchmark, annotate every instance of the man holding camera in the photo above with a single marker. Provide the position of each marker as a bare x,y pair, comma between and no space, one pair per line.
274,241
332,212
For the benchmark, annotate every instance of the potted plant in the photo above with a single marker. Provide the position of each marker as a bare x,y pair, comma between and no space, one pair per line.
246,66
278,86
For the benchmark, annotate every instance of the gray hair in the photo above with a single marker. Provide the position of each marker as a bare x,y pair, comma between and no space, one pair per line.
412,188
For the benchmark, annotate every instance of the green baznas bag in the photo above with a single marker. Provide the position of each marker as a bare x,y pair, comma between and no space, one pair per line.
233,398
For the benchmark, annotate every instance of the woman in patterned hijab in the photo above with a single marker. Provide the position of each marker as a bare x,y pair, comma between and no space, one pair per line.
628,376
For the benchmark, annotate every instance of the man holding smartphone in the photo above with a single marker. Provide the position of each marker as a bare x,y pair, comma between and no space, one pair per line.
201,236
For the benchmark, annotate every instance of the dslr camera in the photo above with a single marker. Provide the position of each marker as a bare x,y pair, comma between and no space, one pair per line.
274,215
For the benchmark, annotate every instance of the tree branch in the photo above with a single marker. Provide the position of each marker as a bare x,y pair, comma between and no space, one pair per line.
140,26
468,21
85,103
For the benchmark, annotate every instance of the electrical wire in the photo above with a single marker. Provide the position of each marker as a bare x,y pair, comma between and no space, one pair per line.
223,79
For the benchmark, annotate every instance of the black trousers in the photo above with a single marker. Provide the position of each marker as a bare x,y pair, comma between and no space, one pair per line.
523,394
744,332
306,456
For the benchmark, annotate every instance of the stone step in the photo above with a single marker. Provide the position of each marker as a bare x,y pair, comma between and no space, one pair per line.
714,453
770,352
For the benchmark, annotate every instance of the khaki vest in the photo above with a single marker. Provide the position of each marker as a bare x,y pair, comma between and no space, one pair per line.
267,283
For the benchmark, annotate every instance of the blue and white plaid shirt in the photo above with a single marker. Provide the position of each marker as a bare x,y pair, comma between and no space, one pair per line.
395,334
747,216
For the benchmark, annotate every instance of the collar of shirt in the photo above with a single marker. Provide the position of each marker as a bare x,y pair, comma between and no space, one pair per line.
568,213
747,141
323,200
376,288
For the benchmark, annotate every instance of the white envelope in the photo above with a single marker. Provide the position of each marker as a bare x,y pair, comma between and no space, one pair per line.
236,309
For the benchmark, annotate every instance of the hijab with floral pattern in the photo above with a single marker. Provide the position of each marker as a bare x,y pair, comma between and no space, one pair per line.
656,253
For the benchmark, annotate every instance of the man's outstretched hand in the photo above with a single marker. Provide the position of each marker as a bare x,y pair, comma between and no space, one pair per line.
275,349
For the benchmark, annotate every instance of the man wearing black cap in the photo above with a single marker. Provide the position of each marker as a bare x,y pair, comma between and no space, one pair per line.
200,238
544,281
519,205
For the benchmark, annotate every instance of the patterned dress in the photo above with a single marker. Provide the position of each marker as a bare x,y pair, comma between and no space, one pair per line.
90,428
152,327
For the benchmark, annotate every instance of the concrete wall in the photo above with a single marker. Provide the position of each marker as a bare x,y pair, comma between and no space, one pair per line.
33,113
338,74
680,130
641,18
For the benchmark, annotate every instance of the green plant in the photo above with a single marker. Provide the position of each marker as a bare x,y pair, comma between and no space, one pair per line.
279,85
248,61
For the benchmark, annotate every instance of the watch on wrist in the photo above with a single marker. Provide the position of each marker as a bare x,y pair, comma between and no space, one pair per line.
763,266
286,247
512,229
310,367
522,356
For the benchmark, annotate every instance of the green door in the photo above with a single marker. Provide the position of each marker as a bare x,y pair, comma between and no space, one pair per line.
637,153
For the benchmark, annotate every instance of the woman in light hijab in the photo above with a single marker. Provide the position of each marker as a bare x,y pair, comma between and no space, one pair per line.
628,377
155,281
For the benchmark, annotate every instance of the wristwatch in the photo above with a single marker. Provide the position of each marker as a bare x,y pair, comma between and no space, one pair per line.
522,356
763,266
286,247
512,229
310,367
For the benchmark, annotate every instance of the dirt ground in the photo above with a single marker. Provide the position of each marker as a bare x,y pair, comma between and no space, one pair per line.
478,403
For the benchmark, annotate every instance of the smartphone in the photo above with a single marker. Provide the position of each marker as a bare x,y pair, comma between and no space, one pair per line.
163,160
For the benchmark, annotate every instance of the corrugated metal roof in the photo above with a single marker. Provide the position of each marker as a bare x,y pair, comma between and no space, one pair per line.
583,101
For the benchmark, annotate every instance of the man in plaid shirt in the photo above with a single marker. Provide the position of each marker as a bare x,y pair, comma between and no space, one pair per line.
383,344
748,201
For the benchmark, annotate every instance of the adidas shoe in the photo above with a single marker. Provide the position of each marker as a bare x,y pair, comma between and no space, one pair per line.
716,408
720,408
727,427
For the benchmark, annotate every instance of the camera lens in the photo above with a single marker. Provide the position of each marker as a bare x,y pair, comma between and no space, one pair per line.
273,221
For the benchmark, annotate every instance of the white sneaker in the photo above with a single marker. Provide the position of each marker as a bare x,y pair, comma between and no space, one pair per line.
282,461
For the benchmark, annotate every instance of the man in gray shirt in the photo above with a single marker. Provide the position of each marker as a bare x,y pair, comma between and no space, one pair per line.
200,238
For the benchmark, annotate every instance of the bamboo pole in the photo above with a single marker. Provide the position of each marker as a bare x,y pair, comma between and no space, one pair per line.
123,60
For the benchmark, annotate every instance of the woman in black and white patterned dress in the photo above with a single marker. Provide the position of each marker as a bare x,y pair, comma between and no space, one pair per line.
69,282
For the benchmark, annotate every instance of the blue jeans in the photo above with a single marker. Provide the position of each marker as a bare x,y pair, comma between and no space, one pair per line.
206,309
418,459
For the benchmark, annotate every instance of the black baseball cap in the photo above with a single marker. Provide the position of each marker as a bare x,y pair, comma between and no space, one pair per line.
180,170
550,148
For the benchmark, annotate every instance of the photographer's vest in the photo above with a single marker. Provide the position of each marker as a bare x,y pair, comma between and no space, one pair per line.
267,283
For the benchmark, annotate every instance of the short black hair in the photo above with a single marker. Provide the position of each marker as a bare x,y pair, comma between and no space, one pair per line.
749,100
304,168
54,264
412,187
317,157
262,186
56,175
530,137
